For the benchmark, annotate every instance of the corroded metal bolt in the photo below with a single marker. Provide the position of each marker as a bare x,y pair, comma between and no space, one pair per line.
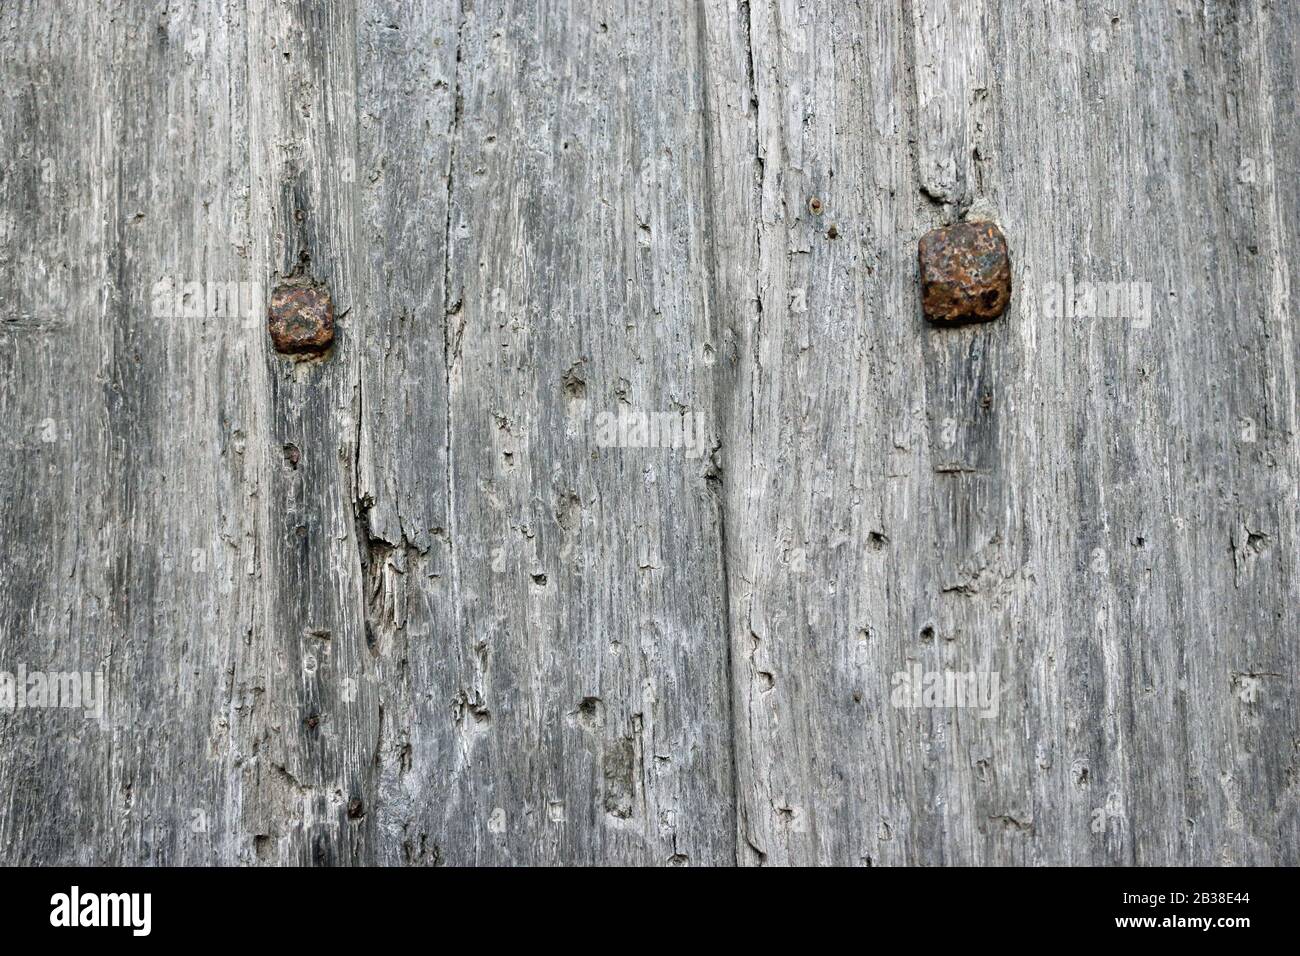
301,317
965,273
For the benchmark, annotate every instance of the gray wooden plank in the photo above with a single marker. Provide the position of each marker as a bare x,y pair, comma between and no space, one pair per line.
313,723
125,550
824,398
407,104
547,605
1074,503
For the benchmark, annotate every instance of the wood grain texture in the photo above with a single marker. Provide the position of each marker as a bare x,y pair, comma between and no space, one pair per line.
413,602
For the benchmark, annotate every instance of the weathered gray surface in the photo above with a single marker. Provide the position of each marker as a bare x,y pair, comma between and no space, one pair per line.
401,605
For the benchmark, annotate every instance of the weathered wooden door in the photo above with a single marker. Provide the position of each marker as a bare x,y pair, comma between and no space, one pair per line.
636,514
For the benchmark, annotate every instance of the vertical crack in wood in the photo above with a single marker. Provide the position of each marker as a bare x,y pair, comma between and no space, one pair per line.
748,378
453,129
715,475
448,352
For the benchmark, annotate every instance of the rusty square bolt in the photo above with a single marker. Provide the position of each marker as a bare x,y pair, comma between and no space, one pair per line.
301,317
965,273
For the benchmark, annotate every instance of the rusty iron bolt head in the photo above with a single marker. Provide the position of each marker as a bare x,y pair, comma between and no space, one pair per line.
300,318
965,273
